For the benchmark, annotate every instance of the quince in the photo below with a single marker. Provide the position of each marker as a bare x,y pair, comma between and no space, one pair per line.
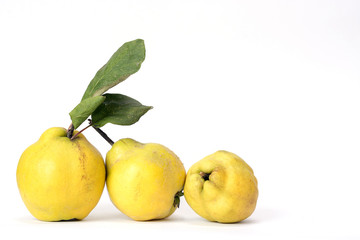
144,180
59,178
221,187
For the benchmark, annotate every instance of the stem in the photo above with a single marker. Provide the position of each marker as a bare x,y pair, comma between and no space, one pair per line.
104,135
73,137
70,131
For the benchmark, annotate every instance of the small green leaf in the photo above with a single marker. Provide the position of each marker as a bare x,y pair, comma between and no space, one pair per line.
84,109
176,203
124,62
118,109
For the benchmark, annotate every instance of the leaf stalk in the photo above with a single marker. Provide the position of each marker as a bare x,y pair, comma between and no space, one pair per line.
73,137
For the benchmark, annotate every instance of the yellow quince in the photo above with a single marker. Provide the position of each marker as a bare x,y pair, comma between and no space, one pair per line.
59,178
144,180
221,187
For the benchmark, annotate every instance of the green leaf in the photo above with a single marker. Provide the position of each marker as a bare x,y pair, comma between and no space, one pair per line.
118,109
124,62
176,203
84,109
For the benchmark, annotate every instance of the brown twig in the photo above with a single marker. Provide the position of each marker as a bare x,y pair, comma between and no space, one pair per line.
104,135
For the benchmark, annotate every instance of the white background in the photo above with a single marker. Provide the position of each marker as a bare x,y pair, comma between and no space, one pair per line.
276,82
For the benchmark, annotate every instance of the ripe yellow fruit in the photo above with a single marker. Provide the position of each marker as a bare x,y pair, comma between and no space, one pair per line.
143,179
221,187
59,178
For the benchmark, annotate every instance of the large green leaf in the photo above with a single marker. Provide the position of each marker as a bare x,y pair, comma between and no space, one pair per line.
118,109
124,62
84,109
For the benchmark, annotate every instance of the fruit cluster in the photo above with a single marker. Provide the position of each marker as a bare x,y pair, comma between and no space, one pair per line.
62,175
